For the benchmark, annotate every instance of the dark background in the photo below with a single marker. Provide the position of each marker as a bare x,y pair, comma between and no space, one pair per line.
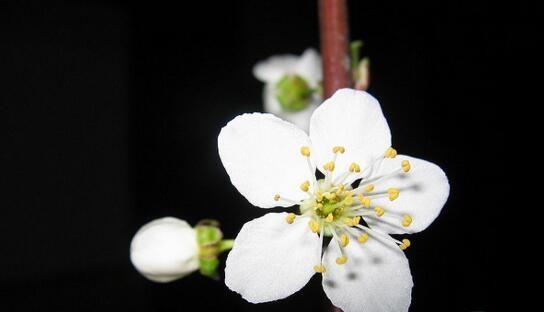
110,112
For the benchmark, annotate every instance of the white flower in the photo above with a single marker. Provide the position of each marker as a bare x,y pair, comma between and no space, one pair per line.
165,249
307,68
272,163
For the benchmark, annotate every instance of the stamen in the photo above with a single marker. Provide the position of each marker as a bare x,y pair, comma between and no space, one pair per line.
320,268
362,238
305,186
305,151
354,167
290,218
405,244
390,153
329,218
406,220
338,149
314,226
405,165
344,240
393,193
341,260
352,221
378,233
369,188
277,197
364,200
379,211
329,166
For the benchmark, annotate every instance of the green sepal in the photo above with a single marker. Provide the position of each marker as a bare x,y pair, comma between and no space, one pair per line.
208,267
210,244
355,53
208,233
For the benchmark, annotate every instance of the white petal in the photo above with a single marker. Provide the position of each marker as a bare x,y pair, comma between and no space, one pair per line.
352,119
423,192
301,118
271,259
309,67
275,67
261,154
376,277
165,249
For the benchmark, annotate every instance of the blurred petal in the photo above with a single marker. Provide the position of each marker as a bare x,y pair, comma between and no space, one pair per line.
273,68
309,67
165,249
423,192
261,154
375,278
352,119
272,259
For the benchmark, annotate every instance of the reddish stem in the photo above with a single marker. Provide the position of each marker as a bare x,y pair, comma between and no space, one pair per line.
334,45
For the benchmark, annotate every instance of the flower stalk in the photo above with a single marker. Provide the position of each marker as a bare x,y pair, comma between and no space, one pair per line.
334,36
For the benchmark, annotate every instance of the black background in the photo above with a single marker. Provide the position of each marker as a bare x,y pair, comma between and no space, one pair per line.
110,113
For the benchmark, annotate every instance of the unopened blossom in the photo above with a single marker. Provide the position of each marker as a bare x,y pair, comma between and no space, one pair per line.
342,219
165,249
292,86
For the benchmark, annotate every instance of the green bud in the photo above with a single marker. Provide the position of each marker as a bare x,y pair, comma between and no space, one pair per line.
293,93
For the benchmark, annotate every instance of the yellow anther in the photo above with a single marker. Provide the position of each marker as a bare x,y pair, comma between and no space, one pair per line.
329,166
319,206
338,149
356,220
390,153
352,221
354,167
277,197
393,193
379,211
362,238
344,240
406,220
340,189
405,244
341,260
329,218
318,197
290,218
329,196
305,186
305,151
369,188
320,268
364,200
348,200
405,165
314,226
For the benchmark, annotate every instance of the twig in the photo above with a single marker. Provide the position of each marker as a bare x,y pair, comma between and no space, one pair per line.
334,45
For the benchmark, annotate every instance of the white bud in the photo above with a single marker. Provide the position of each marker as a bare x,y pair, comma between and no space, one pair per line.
165,249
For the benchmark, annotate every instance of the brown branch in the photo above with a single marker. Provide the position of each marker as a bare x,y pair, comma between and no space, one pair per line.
334,45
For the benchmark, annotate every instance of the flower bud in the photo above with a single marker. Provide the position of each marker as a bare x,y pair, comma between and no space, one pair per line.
165,249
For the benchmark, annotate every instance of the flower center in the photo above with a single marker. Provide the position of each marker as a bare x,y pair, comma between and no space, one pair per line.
335,209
